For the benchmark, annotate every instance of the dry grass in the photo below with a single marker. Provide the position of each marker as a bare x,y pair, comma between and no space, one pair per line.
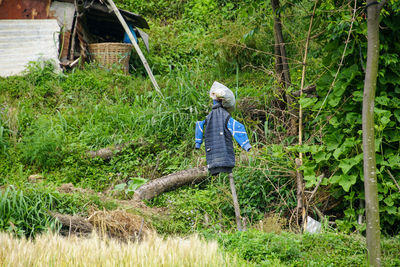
272,223
119,224
54,250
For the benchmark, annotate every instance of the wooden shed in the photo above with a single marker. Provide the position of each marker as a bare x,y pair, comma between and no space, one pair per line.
29,31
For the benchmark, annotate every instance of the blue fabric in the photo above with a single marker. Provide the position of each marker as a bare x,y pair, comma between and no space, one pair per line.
126,37
237,130
199,133
218,141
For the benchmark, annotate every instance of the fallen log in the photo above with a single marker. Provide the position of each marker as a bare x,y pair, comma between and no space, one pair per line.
170,182
75,225
108,152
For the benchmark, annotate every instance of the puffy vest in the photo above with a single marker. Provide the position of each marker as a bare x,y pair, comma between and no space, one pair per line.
218,141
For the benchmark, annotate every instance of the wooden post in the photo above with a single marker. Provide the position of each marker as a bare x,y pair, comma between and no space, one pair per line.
114,8
235,203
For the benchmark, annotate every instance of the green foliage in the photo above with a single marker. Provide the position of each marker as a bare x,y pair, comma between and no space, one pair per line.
263,185
193,209
288,249
130,187
262,248
339,148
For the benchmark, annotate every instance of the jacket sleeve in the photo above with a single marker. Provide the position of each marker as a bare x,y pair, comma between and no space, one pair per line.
199,133
239,133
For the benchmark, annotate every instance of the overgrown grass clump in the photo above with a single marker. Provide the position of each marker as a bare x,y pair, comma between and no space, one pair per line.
27,212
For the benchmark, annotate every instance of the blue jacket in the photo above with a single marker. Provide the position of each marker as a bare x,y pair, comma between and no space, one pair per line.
237,130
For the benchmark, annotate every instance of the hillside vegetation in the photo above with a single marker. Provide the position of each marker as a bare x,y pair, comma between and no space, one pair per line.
49,123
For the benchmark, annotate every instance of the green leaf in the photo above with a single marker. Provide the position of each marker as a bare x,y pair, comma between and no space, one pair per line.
347,164
321,156
306,101
333,141
353,118
135,183
394,161
334,101
389,201
347,180
397,114
358,96
348,143
385,119
391,209
383,100
378,142
339,89
334,122
392,135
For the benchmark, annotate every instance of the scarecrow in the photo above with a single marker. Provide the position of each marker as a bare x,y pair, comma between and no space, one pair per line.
218,129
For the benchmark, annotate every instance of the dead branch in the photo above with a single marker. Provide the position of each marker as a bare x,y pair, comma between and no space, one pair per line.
108,152
316,188
394,180
167,183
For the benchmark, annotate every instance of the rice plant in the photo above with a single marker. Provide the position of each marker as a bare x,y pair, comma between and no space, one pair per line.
53,250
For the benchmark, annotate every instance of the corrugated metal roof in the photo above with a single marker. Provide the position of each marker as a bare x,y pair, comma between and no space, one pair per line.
22,41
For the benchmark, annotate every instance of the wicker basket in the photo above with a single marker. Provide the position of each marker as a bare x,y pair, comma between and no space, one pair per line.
109,54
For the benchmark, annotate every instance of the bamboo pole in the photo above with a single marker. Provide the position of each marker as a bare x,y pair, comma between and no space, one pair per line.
235,203
299,161
114,8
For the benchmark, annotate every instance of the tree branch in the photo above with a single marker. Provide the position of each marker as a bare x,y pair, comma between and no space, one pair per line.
394,180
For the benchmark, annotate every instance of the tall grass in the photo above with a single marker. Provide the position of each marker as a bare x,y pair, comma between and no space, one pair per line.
25,214
53,250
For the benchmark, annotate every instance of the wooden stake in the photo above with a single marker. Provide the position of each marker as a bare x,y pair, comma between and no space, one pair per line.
235,203
128,32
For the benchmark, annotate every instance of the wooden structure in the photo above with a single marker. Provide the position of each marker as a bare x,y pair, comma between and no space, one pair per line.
82,22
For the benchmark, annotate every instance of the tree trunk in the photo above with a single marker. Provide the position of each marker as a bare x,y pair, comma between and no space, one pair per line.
282,67
370,182
170,182
281,64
